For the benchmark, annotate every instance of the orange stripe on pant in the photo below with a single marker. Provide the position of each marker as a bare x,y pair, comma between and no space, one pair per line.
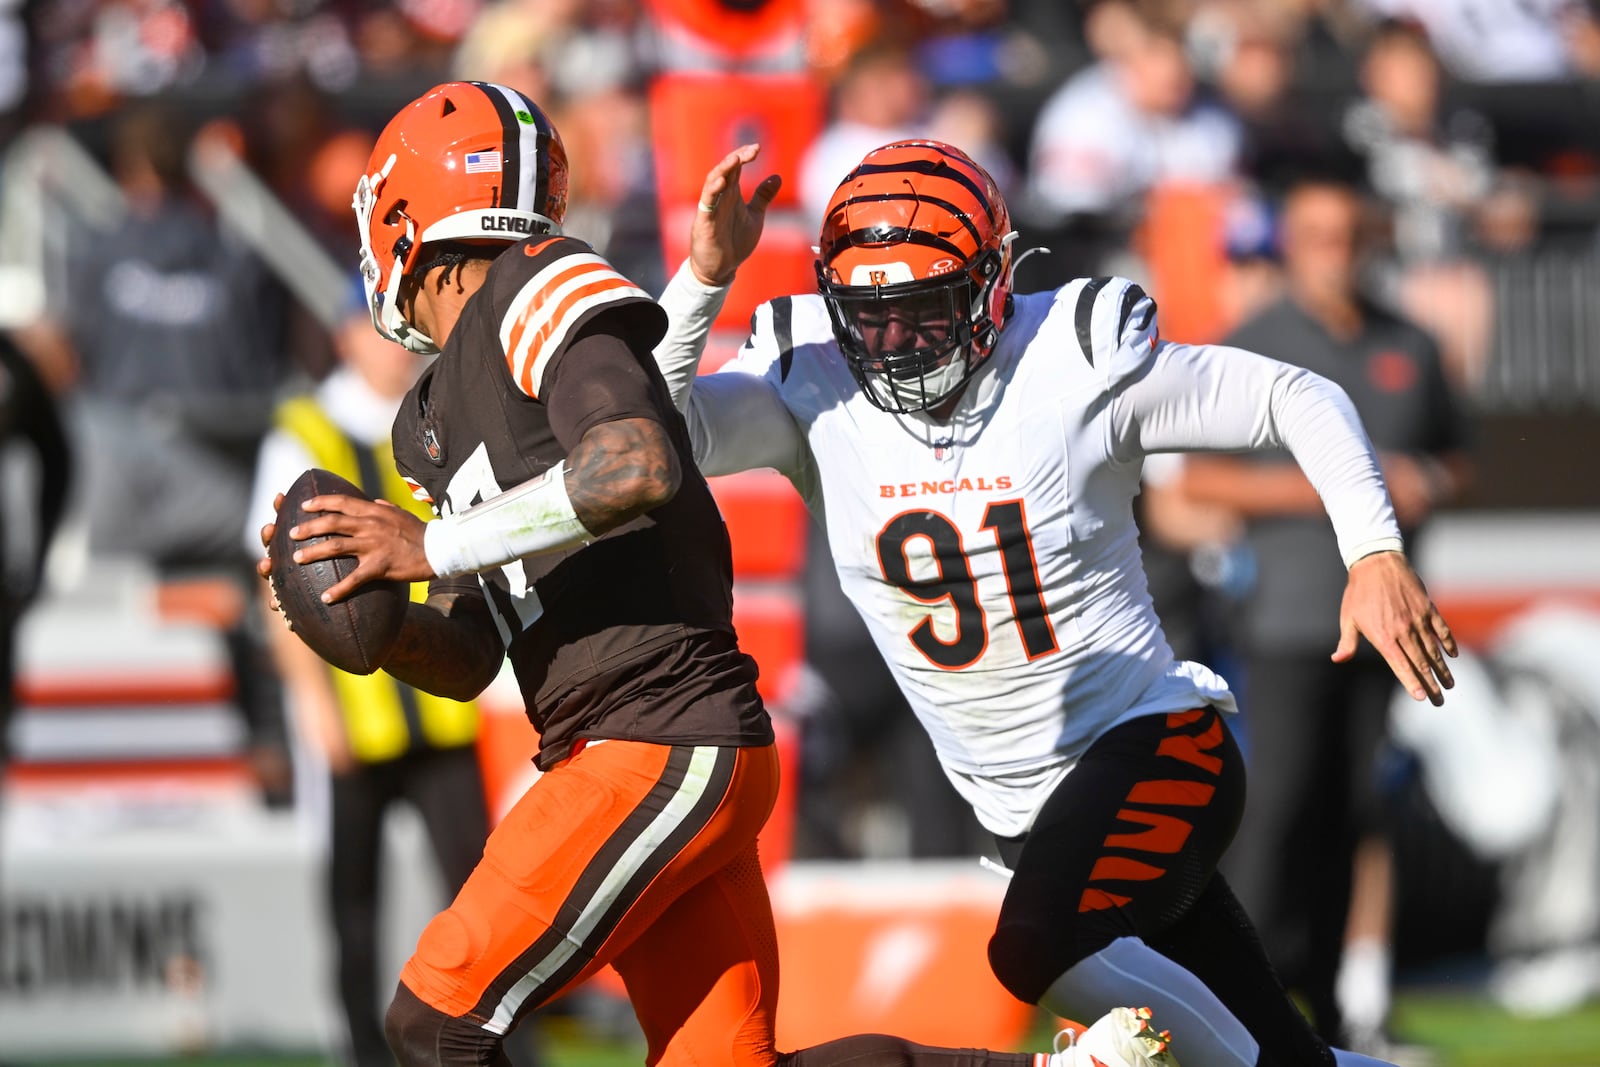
629,853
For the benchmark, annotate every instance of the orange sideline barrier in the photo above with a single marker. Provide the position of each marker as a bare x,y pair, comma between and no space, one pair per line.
1187,259
767,523
695,119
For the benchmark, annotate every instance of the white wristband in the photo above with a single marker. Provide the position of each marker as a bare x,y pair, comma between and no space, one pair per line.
526,520
1368,548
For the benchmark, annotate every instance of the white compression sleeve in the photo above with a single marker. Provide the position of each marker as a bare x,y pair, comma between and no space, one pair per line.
691,308
1215,398
738,422
1127,971
525,520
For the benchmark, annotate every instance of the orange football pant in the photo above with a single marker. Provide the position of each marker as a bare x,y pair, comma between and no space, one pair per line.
633,854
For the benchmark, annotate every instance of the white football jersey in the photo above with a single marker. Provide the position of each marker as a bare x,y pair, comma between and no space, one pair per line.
995,557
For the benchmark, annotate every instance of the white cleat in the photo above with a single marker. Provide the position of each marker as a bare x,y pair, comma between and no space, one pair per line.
1122,1037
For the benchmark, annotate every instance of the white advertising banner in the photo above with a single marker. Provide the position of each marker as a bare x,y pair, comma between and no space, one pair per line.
151,925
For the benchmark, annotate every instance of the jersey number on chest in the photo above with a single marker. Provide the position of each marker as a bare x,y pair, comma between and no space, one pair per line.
516,607
954,581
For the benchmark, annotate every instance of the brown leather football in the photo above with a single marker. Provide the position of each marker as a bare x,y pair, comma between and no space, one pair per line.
354,634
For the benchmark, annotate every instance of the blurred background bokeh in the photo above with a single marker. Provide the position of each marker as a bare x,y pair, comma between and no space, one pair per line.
176,260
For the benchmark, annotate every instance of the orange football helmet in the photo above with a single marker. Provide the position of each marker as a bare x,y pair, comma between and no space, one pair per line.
467,161
915,266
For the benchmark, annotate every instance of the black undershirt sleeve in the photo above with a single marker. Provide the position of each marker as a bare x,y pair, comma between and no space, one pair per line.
599,378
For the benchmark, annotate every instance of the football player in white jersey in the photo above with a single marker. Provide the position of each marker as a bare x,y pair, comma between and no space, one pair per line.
973,455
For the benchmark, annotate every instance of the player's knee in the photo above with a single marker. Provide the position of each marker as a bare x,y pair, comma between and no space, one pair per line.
423,1036
1020,958
1030,949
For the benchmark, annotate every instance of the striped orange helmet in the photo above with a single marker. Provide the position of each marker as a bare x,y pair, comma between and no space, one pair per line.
466,161
915,266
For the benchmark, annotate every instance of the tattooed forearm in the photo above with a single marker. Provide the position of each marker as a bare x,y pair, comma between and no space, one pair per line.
448,646
619,470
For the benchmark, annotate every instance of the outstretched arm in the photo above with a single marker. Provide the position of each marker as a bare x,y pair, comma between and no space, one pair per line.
737,421
725,230
1214,398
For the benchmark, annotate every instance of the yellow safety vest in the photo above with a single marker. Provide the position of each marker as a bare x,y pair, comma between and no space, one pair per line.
383,717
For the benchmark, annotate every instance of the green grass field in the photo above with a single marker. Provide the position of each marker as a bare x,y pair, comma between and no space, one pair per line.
1463,1029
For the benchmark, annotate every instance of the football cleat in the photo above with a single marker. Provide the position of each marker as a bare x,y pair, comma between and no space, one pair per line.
1122,1037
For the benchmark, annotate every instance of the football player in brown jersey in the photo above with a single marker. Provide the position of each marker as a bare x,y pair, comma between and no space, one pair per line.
576,537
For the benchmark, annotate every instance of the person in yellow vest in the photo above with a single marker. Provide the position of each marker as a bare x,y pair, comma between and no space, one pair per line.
381,740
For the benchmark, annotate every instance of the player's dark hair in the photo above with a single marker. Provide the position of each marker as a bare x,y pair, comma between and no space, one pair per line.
452,254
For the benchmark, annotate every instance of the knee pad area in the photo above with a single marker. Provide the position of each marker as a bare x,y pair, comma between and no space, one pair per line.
1027,952
420,1035
1026,959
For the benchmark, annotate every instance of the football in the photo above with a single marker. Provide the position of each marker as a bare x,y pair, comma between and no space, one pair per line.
354,634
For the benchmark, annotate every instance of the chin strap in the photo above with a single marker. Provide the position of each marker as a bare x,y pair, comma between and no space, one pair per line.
385,310
394,325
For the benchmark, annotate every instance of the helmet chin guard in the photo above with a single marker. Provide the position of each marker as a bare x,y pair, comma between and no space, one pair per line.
383,296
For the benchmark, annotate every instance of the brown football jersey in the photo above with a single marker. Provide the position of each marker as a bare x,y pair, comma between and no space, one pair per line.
630,636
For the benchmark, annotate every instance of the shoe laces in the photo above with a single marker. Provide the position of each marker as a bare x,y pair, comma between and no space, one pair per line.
1065,1040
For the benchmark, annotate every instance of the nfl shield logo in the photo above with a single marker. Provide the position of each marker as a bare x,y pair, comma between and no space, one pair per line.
483,162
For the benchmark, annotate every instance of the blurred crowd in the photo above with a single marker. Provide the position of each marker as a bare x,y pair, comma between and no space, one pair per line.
1472,123
1456,144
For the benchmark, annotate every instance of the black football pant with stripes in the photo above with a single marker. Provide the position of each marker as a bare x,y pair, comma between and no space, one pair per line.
1127,847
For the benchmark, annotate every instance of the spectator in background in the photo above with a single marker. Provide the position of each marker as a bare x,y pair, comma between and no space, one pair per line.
1432,166
1493,41
167,346
35,471
583,59
378,740
883,95
1251,52
1134,119
1436,170
254,41
1314,727
508,44
171,340
880,96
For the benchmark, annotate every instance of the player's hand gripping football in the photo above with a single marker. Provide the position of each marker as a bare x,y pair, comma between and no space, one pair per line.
386,541
726,226
1385,601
